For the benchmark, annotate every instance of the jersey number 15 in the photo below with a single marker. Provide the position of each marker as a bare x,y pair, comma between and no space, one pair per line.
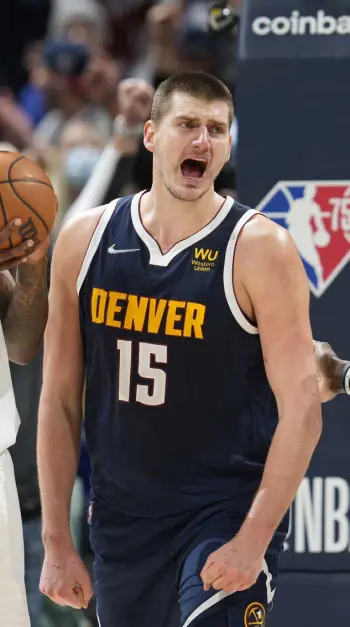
152,393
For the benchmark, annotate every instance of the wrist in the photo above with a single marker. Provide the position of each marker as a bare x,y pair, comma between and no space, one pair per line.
27,272
255,535
56,539
345,378
122,128
39,257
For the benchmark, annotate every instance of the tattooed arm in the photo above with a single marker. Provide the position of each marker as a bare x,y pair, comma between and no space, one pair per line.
23,309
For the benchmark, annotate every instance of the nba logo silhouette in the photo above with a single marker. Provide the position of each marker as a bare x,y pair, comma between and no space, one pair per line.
317,216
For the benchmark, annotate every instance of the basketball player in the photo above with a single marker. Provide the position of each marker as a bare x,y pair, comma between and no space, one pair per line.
187,316
23,314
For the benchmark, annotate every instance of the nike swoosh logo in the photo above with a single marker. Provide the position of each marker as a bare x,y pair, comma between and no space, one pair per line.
117,251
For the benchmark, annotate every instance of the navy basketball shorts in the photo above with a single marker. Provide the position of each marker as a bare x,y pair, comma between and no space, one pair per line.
147,571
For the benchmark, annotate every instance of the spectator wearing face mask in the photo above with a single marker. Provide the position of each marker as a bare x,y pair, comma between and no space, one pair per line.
116,164
72,163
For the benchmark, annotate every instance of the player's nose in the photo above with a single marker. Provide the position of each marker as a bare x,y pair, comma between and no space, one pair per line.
202,139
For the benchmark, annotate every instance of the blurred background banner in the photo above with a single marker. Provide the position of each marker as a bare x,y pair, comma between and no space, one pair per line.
303,28
293,155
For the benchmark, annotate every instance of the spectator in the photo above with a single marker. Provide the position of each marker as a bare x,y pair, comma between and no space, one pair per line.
71,163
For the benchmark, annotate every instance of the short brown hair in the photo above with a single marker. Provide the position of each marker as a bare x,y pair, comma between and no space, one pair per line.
197,84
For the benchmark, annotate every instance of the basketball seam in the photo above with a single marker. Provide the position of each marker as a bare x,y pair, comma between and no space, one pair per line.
26,181
2,207
22,199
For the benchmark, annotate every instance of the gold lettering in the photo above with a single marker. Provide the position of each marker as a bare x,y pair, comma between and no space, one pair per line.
212,255
194,320
135,313
156,310
113,308
98,305
173,316
201,253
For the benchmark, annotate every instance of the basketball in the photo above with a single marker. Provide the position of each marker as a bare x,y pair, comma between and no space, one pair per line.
26,192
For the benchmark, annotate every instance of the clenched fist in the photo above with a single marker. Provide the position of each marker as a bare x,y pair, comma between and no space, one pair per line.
64,578
231,568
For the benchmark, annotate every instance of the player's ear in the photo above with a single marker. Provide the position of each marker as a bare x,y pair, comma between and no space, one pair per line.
229,149
148,136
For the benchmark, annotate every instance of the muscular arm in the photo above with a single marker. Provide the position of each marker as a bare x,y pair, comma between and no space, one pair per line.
274,280
25,314
60,409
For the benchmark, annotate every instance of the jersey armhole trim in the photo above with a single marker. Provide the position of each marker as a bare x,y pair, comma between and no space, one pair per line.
94,241
228,275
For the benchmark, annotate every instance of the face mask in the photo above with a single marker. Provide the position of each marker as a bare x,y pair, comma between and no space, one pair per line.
78,165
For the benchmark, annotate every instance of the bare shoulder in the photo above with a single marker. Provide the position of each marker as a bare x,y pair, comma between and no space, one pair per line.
267,267
265,245
72,243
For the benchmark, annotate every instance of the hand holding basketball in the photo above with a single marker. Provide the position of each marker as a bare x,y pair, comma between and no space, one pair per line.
28,208
12,257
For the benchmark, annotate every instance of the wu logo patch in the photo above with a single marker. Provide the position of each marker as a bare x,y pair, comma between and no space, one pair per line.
203,259
205,254
317,215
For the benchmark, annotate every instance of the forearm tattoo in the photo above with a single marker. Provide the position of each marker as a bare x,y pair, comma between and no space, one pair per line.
26,315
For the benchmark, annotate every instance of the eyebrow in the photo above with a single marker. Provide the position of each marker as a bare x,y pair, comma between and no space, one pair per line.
193,118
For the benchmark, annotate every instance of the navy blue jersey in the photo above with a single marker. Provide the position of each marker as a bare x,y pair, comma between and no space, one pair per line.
178,412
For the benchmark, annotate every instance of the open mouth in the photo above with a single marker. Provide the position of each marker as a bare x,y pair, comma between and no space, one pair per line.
193,168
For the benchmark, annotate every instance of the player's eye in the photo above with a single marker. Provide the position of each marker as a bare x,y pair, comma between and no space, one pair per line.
216,130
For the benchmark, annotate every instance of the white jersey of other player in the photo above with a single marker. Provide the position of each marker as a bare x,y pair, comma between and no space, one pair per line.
9,419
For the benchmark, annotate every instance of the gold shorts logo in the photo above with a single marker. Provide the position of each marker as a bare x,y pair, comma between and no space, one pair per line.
254,615
204,259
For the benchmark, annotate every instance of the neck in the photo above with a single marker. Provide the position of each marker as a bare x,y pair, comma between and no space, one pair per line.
170,220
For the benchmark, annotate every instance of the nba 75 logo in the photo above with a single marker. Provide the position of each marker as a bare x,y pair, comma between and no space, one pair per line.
317,215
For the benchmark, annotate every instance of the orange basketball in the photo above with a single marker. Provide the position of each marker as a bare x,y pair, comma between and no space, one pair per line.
26,193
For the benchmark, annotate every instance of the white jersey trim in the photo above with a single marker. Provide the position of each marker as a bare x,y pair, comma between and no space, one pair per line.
206,605
95,240
157,258
228,275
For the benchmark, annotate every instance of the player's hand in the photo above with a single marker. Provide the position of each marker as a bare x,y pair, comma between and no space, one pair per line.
231,568
12,257
65,579
329,370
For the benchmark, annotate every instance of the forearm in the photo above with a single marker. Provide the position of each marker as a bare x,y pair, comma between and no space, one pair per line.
58,452
26,316
291,450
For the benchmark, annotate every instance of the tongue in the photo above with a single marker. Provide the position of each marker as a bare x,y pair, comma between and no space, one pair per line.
191,169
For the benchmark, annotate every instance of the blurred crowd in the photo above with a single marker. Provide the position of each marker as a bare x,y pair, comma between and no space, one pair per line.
77,78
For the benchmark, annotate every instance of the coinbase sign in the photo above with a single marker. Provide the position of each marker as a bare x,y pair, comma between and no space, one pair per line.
297,24
269,30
